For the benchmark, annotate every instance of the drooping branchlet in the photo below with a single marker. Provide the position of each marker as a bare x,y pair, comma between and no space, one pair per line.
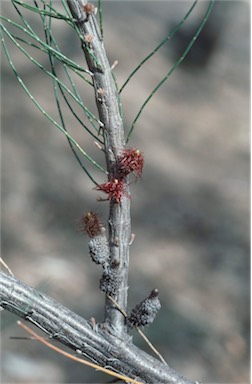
145,312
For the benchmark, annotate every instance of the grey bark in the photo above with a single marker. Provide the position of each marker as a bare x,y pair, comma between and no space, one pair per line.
113,133
97,343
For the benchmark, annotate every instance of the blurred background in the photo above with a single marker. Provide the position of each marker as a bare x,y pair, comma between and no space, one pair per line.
190,210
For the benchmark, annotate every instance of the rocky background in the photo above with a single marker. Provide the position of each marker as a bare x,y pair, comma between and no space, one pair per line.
190,210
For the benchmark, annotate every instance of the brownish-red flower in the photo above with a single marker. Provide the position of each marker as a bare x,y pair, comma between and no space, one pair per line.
91,224
131,161
115,189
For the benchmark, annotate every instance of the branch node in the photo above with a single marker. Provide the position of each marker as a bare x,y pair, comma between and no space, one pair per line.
88,38
90,9
101,95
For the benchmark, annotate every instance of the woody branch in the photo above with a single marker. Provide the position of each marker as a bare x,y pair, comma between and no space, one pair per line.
95,342
114,143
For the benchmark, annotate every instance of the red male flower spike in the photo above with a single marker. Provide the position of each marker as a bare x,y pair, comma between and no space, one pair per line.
114,188
131,161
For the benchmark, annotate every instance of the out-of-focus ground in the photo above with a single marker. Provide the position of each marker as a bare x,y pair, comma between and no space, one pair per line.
190,211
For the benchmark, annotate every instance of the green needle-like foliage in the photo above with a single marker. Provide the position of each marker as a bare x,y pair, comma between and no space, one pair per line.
178,62
168,37
23,36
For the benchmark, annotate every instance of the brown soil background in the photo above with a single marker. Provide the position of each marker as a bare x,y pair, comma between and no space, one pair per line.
190,211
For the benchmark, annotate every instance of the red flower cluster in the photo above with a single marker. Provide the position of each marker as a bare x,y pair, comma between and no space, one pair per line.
131,161
114,188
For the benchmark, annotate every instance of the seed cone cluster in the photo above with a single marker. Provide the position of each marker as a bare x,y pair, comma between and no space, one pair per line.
110,280
98,249
98,244
145,312
100,253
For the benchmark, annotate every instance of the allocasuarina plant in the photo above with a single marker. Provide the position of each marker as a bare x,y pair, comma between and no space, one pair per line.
108,344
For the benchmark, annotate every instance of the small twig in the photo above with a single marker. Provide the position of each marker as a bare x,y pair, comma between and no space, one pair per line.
6,266
27,338
117,306
151,345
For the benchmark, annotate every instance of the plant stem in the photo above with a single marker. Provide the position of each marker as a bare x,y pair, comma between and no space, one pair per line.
81,335
114,143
